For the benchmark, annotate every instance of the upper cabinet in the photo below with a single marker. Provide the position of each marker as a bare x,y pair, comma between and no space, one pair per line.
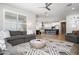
14,21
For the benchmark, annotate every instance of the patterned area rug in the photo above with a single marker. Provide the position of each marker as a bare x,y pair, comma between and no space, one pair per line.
52,48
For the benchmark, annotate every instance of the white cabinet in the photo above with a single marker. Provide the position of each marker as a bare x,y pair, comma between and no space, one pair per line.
14,21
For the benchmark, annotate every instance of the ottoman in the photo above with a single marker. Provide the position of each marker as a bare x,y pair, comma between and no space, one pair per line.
38,43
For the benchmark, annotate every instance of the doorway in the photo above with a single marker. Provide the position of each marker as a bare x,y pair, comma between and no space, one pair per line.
63,27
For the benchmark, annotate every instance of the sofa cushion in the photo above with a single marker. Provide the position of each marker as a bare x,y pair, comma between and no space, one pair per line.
17,37
29,36
16,42
14,33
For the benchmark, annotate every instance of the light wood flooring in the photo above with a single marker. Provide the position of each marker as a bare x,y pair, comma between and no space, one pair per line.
75,48
51,37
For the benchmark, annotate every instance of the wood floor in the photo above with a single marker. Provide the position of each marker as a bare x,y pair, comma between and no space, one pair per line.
51,37
75,48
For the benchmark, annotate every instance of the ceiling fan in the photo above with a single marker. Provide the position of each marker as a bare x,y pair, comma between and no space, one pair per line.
47,6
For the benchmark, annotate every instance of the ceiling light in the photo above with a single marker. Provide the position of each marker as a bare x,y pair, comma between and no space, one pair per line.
73,8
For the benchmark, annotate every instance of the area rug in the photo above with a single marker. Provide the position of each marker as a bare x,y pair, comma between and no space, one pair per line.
55,47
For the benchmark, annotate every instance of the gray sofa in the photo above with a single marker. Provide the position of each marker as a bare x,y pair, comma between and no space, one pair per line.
72,37
18,37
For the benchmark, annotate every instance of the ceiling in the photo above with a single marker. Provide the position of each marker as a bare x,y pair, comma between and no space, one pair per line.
58,10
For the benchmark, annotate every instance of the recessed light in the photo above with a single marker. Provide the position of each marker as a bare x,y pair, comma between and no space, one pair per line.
73,8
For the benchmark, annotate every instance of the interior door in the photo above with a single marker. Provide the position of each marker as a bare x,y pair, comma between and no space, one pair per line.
63,27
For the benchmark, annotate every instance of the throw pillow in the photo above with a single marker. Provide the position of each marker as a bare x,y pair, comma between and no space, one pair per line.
2,44
5,34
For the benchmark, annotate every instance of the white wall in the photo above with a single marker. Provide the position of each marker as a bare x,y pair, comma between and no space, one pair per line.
72,23
49,25
31,24
50,21
31,17
1,19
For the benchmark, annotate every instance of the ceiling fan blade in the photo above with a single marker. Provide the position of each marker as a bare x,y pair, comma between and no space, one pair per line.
46,4
49,4
48,8
70,4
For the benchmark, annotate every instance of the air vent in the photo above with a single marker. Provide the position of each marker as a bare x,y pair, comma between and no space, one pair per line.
70,4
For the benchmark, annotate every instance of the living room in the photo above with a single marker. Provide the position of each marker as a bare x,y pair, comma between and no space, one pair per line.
39,28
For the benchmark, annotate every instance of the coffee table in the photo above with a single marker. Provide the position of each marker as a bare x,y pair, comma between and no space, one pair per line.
37,43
